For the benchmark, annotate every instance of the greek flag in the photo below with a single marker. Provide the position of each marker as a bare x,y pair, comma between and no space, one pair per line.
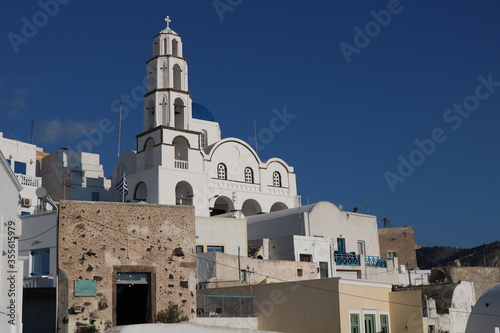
122,186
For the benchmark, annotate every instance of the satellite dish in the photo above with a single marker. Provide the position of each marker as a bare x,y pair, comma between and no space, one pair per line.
41,192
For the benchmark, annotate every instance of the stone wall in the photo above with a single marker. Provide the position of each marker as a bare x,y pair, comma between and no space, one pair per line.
400,240
216,266
96,240
483,277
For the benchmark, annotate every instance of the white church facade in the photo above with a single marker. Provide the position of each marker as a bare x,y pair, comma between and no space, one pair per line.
181,158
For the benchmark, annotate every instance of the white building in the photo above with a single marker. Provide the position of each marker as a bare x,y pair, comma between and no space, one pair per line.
181,158
11,267
24,159
485,316
341,243
39,244
73,175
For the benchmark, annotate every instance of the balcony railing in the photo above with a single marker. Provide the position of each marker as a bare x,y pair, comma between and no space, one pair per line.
39,282
225,306
180,164
347,259
26,180
184,201
374,261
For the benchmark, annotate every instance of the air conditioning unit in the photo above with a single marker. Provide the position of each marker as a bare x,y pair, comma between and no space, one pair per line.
26,202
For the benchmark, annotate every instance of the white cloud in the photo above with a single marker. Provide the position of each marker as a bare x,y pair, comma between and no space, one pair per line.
12,114
14,102
56,131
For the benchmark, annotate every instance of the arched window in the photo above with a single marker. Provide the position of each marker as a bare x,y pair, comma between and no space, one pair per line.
181,151
276,179
203,138
248,175
177,77
175,50
165,46
141,192
148,153
221,171
179,113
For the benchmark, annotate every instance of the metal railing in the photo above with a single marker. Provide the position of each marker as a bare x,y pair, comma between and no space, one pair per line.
180,164
375,261
225,306
347,259
29,180
186,201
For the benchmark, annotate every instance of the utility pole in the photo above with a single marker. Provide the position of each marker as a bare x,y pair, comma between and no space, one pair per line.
239,264
409,275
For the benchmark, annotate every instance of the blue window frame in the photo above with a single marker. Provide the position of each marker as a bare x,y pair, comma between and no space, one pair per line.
215,248
96,196
40,260
341,245
20,167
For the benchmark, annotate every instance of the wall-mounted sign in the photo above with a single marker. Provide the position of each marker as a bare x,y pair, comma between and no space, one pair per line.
85,288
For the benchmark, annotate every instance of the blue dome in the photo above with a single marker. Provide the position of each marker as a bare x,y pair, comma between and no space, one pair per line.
201,112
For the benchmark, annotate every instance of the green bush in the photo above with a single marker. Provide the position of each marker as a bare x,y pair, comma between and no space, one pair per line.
88,329
171,315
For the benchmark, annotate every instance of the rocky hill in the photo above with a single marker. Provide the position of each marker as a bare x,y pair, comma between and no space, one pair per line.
487,255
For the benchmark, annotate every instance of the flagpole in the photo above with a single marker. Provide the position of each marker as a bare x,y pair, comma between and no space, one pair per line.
119,129
123,190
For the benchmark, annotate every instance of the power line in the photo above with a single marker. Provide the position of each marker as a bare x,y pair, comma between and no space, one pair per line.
25,239
79,217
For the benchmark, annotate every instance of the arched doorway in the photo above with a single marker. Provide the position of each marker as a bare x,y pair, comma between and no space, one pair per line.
251,207
183,193
141,192
222,205
278,206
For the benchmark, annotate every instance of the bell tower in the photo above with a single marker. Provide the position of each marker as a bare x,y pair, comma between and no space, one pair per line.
167,101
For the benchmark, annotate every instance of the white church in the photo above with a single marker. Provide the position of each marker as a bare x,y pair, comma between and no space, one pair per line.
181,158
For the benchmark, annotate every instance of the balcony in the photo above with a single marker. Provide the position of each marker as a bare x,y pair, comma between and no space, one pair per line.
26,180
347,259
184,201
39,282
180,164
225,306
375,261
350,259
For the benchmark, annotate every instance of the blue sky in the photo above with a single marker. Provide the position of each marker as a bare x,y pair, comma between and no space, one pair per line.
362,81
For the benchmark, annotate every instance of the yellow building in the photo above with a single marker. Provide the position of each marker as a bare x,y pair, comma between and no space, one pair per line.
332,305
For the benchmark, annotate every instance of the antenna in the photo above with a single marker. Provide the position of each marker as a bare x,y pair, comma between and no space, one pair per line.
119,129
255,134
367,206
45,199
32,126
